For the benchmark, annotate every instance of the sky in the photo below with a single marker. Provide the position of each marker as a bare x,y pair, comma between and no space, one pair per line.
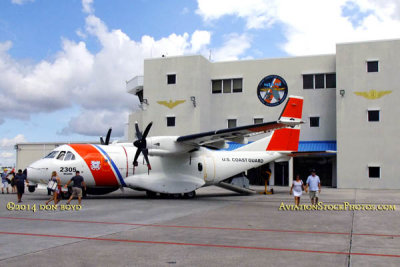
64,63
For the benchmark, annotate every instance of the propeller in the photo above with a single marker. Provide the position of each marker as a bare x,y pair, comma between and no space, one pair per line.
107,138
141,144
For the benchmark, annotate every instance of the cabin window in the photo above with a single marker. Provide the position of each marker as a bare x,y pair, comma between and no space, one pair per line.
51,155
69,156
61,155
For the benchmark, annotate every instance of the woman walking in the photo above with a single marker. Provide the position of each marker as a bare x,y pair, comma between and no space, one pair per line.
297,189
57,191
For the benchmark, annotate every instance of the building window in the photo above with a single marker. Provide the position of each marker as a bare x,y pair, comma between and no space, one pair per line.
232,123
308,81
258,120
372,66
170,121
374,172
314,121
373,115
319,81
227,86
237,85
217,86
331,80
171,78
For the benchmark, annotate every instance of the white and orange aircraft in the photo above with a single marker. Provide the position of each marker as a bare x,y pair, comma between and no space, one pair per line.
179,164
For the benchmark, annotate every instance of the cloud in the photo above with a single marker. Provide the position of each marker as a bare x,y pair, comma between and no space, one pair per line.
94,82
6,143
312,26
87,6
234,46
21,2
7,154
200,40
93,122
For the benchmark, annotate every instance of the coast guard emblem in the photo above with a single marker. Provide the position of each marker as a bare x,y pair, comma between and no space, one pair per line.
95,165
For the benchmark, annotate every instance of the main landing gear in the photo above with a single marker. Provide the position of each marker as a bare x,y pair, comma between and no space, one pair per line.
188,195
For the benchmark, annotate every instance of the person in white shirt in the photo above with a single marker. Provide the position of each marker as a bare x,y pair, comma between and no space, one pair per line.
314,185
297,189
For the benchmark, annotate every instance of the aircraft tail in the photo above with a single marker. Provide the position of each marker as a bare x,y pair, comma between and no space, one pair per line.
286,138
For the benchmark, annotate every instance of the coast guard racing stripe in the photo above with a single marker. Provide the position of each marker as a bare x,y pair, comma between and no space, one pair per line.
102,173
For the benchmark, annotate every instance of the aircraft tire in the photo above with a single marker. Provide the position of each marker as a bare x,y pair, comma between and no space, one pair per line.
191,194
151,194
31,188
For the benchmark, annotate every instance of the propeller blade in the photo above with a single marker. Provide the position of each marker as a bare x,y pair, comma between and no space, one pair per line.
135,163
138,133
108,137
145,153
146,131
101,140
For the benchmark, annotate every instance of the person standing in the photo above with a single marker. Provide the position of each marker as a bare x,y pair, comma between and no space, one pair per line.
13,182
314,185
4,181
57,191
20,180
297,189
76,187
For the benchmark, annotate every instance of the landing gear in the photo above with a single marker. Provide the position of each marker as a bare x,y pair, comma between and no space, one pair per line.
66,194
151,194
31,188
190,194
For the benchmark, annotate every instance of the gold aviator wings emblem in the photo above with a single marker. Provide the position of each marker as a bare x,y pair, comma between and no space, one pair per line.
170,104
373,94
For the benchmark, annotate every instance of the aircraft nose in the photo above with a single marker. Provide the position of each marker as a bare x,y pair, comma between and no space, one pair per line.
36,172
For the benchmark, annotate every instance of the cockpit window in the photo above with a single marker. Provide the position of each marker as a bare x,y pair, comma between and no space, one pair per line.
51,155
61,155
69,156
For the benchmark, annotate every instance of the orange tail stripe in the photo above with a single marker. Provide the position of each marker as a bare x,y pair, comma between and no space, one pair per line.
293,108
286,139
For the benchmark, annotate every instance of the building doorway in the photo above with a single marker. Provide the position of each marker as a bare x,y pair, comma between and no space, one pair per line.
281,171
322,166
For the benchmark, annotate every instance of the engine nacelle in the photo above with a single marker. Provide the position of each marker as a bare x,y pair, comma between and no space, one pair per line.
165,145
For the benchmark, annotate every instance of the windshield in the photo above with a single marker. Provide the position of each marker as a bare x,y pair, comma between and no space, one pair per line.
69,156
51,155
61,155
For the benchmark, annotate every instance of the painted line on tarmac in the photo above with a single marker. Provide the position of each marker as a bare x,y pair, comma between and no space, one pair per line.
199,227
199,244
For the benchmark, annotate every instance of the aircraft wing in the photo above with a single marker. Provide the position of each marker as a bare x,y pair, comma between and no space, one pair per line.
237,134
290,117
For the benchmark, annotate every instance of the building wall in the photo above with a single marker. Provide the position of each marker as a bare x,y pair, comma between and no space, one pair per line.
193,78
29,152
361,143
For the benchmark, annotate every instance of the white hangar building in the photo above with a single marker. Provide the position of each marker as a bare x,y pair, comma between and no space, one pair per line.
351,108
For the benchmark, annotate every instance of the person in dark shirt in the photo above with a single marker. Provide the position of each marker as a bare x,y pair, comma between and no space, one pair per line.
20,179
76,187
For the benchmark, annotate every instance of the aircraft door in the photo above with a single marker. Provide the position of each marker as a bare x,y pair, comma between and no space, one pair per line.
208,169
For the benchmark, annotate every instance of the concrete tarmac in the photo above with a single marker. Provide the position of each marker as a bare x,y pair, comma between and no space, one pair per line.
217,228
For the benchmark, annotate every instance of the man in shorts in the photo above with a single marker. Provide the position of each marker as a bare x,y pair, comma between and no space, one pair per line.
4,181
314,185
76,187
